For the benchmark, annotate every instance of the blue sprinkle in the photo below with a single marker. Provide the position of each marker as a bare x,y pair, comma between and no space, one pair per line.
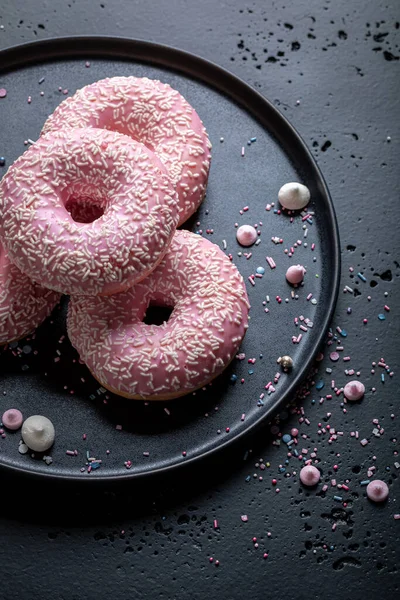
381,317
2,161
365,482
361,276
343,333
286,438
338,498
275,211
287,461
313,401
41,80
95,465
261,355
253,139
383,377
260,403
282,470
320,384
295,452
331,548
233,378
260,270
248,478
248,142
251,372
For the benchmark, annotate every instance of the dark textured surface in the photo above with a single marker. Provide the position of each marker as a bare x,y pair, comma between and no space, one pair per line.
337,83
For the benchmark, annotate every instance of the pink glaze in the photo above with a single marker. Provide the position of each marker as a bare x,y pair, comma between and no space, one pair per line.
23,303
295,274
377,490
12,419
201,337
354,390
309,475
150,112
246,235
87,171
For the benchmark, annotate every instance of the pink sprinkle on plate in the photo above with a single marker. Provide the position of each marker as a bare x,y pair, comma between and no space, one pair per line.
12,419
246,235
295,274
3,92
354,390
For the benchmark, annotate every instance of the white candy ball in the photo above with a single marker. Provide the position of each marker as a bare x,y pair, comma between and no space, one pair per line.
294,196
38,433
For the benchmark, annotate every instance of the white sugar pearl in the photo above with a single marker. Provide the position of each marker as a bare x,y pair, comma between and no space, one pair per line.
38,433
294,196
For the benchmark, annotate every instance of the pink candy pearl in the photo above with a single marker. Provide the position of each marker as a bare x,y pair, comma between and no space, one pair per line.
246,235
377,490
295,274
354,390
12,419
309,475
294,432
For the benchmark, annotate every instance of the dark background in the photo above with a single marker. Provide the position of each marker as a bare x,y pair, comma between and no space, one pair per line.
333,69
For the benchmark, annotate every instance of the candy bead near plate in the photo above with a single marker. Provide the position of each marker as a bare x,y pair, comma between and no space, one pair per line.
260,152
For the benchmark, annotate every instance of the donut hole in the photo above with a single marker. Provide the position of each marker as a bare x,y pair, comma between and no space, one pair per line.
85,208
157,314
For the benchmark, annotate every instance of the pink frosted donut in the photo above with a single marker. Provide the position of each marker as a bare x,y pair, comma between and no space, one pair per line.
76,175
150,112
23,303
160,362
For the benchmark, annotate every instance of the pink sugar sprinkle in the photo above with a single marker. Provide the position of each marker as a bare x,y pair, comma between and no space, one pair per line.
270,261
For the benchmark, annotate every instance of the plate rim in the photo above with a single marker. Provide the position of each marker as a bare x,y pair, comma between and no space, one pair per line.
22,55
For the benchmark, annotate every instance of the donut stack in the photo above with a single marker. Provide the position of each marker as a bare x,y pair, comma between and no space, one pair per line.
91,210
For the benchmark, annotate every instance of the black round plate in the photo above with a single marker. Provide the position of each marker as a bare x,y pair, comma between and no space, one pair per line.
42,374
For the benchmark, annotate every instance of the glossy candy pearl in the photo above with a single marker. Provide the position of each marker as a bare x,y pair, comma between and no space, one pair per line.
377,490
294,196
295,274
12,419
309,475
286,362
246,235
38,433
354,390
